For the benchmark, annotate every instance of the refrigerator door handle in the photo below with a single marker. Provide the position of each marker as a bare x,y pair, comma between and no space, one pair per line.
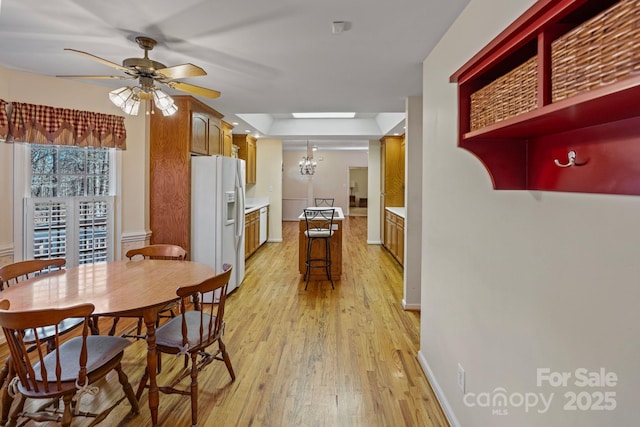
240,210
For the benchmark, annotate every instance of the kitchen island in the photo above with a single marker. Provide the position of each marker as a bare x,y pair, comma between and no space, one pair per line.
319,250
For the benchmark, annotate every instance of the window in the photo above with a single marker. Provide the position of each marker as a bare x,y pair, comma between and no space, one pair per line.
58,171
70,210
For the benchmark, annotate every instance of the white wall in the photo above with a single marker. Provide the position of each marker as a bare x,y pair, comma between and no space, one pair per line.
24,87
413,205
330,180
513,281
374,210
6,181
269,183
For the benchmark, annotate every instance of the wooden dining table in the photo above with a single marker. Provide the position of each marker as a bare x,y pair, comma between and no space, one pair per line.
119,288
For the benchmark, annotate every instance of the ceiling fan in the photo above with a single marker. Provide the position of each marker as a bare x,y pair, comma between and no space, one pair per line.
148,72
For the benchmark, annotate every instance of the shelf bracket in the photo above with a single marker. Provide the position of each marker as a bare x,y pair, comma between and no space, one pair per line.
571,160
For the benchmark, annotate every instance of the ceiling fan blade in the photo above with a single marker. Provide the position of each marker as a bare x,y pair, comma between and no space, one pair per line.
97,77
196,90
181,71
100,60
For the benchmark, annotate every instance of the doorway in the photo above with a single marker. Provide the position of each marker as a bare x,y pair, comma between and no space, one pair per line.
358,190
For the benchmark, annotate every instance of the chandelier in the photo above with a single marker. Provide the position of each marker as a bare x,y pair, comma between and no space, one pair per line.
128,98
308,164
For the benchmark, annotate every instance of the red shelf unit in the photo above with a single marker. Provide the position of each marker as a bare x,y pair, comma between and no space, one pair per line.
602,125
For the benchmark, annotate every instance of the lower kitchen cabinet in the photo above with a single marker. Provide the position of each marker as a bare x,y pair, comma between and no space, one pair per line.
394,235
252,232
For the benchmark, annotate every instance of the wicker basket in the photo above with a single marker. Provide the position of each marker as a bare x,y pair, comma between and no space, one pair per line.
512,94
600,51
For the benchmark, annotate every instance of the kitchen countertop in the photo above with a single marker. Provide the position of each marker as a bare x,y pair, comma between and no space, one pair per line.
338,214
251,205
400,211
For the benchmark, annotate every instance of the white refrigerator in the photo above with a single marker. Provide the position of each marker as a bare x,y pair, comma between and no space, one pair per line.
217,214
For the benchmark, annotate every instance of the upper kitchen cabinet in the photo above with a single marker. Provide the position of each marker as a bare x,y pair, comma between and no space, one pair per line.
392,161
552,102
227,139
199,133
173,140
247,152
215,137
205,125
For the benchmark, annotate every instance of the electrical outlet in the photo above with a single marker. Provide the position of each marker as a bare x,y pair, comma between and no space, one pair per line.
461,378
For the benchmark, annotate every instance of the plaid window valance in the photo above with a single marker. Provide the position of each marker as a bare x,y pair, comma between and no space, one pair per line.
42,124
4,119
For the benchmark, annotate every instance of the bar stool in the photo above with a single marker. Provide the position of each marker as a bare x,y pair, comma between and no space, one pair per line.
324,201
319,227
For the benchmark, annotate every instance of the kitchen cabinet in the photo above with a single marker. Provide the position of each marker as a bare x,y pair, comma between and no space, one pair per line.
253,223
173,140
247,151
199,134
251,233
255,232
227,139
392,164
206,131
390,231
215,137
399,249
394,235
392,152
551,103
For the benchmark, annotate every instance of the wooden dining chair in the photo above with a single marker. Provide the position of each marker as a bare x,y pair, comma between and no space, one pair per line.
12,275
190,334
171,252
66,373
165,252
324,202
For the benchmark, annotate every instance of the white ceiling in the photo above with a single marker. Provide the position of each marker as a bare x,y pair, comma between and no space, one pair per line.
269,58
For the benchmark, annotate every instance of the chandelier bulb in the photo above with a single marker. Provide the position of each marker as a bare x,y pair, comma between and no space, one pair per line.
308,163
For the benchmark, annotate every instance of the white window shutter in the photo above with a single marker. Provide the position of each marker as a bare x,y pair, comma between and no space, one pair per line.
79,229
47,228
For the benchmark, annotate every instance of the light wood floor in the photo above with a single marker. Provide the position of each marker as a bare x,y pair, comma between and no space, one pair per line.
321,357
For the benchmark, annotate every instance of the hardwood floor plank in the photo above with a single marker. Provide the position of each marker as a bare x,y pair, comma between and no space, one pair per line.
321,357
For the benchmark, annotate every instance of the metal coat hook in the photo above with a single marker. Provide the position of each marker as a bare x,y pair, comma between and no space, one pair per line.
572,160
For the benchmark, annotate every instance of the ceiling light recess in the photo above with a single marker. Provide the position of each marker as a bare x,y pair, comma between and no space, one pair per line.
345,115
337,27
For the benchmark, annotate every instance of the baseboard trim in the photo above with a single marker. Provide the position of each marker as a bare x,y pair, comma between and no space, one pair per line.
374,242
274,240
444,403
410,307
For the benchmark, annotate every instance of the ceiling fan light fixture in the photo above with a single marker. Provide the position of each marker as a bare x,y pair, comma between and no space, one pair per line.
148,72
162,100
171,109
119,96
132,105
